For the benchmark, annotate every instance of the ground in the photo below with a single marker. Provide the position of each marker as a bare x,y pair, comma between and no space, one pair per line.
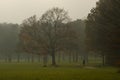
25,71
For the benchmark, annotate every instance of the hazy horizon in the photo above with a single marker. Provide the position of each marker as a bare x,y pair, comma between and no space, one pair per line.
15,11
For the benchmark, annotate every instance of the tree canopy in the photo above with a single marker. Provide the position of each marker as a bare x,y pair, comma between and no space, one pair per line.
103,27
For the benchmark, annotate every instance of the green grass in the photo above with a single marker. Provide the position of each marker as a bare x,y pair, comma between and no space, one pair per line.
37,72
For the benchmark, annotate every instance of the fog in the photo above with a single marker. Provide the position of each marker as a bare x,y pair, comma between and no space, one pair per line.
59,39
15,11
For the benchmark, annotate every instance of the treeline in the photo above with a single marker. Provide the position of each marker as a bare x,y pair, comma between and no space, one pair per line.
51,37
54,37
8,40
52,33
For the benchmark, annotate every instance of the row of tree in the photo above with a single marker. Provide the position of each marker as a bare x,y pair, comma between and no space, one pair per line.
52,35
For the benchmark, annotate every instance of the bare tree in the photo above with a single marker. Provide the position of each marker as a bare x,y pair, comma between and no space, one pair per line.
48,35
52,22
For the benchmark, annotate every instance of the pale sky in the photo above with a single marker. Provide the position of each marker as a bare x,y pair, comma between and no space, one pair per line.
15,11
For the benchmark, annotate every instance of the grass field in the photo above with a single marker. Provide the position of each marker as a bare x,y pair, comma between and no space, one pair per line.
37,72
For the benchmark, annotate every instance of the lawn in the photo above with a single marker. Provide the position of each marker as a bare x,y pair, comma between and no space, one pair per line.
35,71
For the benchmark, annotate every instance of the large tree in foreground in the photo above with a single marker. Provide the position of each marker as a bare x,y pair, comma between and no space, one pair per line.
103,30
48,35
53,22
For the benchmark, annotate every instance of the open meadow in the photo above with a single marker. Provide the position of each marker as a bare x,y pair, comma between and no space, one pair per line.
34,71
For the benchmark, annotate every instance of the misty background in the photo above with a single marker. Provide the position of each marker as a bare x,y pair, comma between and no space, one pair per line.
59,39
15,11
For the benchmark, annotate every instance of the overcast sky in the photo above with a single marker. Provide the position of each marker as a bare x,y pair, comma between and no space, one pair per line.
15,11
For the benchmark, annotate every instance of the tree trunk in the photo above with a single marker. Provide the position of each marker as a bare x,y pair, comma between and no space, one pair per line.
70,57
63,56
45,60
9,59
103,59
32,58
53,58
6,59
86,58
74,56
77,55
18,58
28,58
39,58
59,57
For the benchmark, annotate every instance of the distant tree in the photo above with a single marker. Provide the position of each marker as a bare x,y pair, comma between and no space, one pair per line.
78,27
28,35
103,30
8,40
